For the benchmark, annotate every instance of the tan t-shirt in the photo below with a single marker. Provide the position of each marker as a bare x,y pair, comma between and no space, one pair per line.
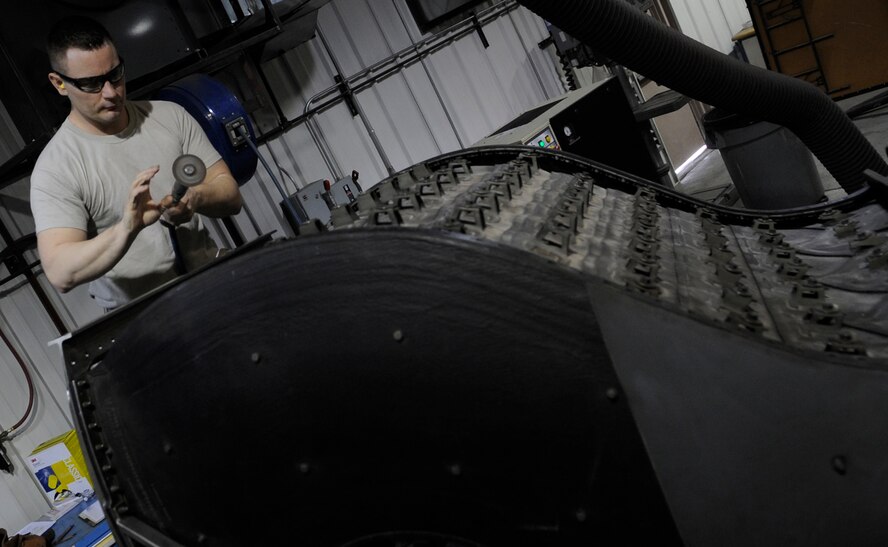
83,181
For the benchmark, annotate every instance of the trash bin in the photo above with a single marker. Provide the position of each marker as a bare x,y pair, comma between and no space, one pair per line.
769,165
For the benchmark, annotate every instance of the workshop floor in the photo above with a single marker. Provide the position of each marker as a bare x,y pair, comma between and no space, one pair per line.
708,179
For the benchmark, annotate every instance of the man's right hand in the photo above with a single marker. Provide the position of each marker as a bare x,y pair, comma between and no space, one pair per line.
69,258
141,210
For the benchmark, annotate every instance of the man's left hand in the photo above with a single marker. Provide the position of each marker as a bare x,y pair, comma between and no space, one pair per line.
178,213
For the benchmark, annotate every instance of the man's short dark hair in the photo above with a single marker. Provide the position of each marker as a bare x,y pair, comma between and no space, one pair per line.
76,32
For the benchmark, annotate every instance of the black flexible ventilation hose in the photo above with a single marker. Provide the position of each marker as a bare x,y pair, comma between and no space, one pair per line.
636,41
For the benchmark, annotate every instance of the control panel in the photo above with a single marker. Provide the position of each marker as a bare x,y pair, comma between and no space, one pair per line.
544,139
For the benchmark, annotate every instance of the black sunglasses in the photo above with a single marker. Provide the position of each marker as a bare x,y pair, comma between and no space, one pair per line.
94,84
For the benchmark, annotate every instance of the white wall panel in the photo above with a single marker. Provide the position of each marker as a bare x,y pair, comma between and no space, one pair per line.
531,30
449,100
712,22
29,331
10,140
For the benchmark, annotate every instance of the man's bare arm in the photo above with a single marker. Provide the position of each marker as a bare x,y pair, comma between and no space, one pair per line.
70,259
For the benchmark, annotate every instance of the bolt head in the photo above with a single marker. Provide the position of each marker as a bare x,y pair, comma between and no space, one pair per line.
840,465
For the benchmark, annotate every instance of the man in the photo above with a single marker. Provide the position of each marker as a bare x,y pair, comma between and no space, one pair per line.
94,186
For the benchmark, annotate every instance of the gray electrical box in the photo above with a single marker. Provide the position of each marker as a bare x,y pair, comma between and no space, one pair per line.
313,204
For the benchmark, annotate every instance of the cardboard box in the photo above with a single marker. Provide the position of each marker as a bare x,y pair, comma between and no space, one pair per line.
60,469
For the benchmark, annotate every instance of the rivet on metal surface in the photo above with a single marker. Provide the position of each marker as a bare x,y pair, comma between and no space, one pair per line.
487,200
581,515
410,201
707,215
783,253
840,465
455,469
304,468
530,160
612,393
558,239
764,225
501,189
643,268
867,240
429,189
773,239
791,272
827,315
831,216
471,215
845,228
387,218
255,357
644,285
642,247
846,343
167,448
420,171
446,177
201,538
808,289
732,268
460,167
398,335
877,259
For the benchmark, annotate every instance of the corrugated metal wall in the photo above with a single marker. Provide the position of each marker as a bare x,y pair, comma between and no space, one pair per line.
450,100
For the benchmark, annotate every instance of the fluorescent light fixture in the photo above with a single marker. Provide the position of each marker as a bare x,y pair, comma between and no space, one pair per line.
681,168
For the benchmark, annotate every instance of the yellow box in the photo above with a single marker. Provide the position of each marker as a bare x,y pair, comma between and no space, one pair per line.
60,469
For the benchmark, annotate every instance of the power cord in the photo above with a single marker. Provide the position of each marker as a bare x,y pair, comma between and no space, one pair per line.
291,209
5,462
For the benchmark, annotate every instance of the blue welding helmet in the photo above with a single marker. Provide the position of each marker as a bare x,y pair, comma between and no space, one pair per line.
221,116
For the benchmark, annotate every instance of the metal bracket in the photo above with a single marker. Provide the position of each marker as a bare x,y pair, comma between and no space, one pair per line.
879,184
233,129
347,94
5,462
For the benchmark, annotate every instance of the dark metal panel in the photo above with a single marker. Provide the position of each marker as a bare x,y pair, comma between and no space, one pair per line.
753,444
460,389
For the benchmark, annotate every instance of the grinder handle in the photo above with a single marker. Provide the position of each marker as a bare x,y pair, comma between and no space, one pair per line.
188,171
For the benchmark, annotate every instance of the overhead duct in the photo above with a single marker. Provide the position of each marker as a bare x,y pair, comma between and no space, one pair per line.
629,37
